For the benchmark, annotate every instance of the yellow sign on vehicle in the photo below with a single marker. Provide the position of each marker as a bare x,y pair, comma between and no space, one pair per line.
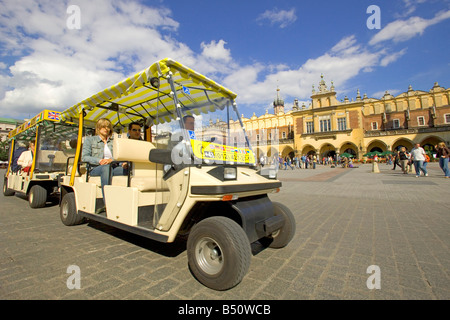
219,152
44,115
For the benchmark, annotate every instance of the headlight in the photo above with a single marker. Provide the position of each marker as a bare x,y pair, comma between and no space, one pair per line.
229,173
273,173
269,172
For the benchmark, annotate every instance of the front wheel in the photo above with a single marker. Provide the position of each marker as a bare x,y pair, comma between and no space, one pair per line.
37,197
219,253
6,191
68,211
284,235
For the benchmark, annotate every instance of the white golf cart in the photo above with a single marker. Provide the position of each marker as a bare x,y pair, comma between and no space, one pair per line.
52,149
197,180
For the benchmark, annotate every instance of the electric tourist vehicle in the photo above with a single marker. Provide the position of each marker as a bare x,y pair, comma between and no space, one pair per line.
192,175
47,157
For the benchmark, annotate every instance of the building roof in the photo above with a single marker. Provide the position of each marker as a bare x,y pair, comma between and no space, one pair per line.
11,121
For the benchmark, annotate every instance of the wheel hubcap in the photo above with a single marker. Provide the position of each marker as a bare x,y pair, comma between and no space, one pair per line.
209,256
64,210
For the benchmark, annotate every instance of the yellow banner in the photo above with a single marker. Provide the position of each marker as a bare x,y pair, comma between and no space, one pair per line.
220,152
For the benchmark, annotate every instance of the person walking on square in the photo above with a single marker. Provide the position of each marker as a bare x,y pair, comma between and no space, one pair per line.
397,160
418,158
427,159
443,154
403,160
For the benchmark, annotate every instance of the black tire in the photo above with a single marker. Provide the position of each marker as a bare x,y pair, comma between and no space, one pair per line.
219,253
37,196
282,237
6,191
68,211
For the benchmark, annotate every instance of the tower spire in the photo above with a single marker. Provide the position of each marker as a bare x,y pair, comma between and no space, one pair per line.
278,103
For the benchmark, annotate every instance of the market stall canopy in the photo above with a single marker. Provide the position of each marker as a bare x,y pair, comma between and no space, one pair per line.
347,155
148,95
372,154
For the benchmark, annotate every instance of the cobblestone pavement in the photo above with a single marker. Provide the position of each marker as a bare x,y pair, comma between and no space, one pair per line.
347,220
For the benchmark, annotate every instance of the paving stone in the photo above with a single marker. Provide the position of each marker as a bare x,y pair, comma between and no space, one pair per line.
347,220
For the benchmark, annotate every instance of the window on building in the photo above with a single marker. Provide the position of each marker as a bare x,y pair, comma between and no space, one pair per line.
342,124
421,121
447,118
325,125
375,125
257,137
310,127
396,123
283,135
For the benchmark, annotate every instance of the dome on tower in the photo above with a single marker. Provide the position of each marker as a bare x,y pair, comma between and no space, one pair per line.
278,100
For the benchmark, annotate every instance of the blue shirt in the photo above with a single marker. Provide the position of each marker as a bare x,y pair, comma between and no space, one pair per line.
93,150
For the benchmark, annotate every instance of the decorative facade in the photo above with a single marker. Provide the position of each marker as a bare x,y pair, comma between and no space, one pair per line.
329,127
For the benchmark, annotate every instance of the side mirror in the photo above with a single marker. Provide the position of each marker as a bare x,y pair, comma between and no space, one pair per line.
163,156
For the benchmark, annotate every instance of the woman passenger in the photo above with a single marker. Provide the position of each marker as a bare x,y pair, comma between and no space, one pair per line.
98,152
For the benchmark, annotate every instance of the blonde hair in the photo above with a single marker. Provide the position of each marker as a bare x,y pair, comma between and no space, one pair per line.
103,123
403,149
441,144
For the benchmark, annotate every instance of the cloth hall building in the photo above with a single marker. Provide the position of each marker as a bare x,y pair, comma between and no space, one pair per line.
329,127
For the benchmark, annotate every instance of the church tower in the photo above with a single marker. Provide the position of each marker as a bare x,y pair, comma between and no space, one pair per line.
278,103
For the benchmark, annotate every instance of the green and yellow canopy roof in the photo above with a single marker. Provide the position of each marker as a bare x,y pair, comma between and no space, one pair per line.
137,98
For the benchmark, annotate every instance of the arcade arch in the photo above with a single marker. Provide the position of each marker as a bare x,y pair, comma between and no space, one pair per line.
402,142
377,145
327,150
308,150
349,147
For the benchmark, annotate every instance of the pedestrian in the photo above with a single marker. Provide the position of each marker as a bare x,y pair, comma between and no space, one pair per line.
403,156
397,160
443,154
427,159
418,158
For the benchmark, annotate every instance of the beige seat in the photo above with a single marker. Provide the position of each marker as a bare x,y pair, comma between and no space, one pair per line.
145,175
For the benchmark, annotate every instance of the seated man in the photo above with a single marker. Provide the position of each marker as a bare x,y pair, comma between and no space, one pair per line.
134,131
26,158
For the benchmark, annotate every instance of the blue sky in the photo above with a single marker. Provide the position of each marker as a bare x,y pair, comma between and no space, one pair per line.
249,46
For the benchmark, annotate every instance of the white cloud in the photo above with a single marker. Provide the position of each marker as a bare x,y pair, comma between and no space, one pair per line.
388,59
344,61
56,67
283,18
402,30
411,6
216,51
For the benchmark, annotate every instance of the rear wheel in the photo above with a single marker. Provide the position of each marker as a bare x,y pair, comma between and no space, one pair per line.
68,211
284,235
6,191
37,197
218,252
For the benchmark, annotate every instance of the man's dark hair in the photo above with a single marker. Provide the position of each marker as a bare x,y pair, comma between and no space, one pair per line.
131,125
187,116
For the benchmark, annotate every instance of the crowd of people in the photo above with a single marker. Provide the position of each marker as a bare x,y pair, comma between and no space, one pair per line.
406,160
419,159
305,161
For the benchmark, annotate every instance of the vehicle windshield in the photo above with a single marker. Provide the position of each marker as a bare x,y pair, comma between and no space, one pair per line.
55,143
209,133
